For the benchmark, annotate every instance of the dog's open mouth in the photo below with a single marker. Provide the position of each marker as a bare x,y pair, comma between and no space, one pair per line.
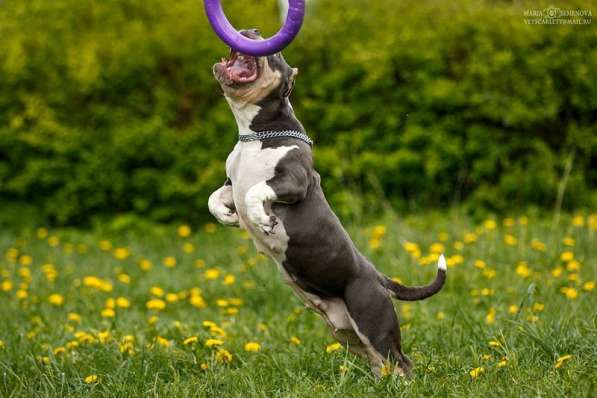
237,69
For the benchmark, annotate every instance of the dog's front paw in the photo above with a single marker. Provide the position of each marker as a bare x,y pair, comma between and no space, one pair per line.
259,218
226,216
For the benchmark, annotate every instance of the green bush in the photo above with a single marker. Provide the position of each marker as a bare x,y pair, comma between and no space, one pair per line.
109,107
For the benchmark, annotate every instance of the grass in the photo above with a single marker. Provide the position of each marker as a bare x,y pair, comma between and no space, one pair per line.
500,327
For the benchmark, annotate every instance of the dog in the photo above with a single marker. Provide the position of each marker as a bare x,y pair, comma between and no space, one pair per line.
273,192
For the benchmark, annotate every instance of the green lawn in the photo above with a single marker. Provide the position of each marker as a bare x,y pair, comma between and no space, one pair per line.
518,311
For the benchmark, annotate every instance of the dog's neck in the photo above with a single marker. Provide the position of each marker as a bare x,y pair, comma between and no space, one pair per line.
268,115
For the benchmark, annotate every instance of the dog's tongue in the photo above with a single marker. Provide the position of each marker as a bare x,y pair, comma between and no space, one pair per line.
239,69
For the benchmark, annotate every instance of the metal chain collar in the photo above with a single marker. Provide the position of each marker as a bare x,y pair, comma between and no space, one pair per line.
265,135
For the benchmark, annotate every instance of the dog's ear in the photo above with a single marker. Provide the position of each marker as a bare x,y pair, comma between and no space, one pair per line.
290,82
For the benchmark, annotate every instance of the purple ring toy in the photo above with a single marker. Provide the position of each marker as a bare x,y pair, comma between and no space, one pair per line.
256,48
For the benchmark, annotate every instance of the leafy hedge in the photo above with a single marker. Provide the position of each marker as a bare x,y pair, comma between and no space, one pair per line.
109,107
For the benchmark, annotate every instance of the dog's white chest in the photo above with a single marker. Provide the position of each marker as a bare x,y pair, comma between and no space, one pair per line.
247,165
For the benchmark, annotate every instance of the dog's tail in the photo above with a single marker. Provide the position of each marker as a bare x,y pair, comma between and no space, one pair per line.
408,293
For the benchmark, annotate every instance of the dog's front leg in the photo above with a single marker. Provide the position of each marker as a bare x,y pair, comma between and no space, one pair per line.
287,186
221,205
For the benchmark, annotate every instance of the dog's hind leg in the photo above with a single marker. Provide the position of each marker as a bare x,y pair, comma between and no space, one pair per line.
374,320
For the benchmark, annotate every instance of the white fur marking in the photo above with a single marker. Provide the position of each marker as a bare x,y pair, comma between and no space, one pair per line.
255,200
441,262
244,114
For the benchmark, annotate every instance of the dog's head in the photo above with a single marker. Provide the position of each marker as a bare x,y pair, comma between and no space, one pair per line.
249,79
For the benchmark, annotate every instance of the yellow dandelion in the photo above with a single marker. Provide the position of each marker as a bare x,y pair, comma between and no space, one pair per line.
386,370
91,379
561,360
105,245
204,366
588,286
123,302
476,372
169,262
156,291
171,297
190,340
104,336
199,263
152,320
523,220
502,363
295,340
538,245
458,245
121,253
197,301
162,341
556,272
374,243
437,248
343,369
568,241
56,299
223,356
440,316
489,273
538,307
468,237
2,345
567,256
213,342
6,286
124,278
578,221
110,303
71,345
235,301
523,270
22,294
231,311
494,344
155,304
510,240
108,313
252,347
573,266
490,317
570,292
145,265
208,324
212,273
42,233
508,222
59,351
229,279
411,247
188,248
490,224
333,347
73,317
184,231
480,264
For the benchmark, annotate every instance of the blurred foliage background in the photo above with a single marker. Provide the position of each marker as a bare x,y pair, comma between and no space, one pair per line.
109,107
